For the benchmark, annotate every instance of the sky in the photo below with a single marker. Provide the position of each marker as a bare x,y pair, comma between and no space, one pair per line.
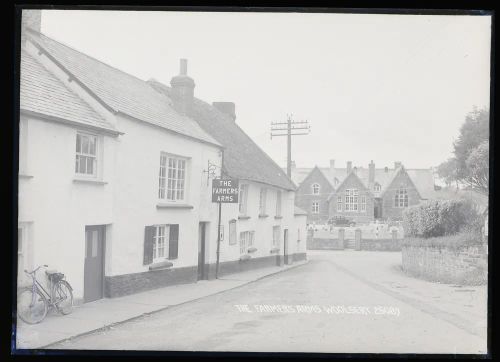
372,87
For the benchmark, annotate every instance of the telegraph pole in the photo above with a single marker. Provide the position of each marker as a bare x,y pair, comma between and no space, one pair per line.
290,128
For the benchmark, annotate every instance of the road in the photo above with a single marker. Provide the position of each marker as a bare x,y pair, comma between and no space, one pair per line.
333,304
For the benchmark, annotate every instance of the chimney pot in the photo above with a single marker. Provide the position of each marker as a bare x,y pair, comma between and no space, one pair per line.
184,67
371,173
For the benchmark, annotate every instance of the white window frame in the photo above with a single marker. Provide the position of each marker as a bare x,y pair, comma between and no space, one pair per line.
276,236
316,188
315,207
243,199
339,203
401,198
262,201
172,179
362,202
81,154
161,242
246,241
278,202
351,200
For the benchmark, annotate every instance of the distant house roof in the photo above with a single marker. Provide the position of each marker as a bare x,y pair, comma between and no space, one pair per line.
422,178
43,94
243,159
118,91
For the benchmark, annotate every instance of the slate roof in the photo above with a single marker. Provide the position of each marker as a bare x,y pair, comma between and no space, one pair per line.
243,159
41,92
120,91
422,178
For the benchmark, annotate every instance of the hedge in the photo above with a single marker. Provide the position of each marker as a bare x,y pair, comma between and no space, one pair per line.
454,242
439,218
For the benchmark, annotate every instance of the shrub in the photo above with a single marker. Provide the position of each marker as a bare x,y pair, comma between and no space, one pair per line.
440,217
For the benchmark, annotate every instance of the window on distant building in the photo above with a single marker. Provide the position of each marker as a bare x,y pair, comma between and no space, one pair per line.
246,241
401,197
243,197
377,187
172,178
339,203
315,188
276,236
315,207
86,154
362,203
278,203
232,232
262,201
351,200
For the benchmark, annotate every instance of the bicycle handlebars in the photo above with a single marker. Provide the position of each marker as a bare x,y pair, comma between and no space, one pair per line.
35,270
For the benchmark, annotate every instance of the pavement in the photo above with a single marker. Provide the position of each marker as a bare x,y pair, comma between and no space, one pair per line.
105,313
339,302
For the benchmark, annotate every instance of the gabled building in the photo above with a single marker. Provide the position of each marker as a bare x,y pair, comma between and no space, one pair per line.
361,194
114,187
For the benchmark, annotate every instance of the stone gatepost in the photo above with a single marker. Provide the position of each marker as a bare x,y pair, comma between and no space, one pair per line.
342,237
357,239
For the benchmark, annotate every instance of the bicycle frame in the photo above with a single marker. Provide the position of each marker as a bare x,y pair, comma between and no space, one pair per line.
38,286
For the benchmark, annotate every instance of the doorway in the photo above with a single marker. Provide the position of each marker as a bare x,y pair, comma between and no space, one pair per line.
202,274
94,263
285,247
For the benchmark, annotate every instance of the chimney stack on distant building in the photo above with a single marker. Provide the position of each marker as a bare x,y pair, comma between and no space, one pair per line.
371,173
227,108
332,167
349,167
183,90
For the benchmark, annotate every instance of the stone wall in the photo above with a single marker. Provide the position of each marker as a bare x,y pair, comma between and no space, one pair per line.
465,266
381,244
325,244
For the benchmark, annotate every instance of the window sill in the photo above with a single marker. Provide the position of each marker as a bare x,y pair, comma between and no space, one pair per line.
243,217
173,206
89,181
277,217
161,265
262,216
25,176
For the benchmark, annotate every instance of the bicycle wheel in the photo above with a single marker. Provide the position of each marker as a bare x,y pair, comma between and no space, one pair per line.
31,308
64,297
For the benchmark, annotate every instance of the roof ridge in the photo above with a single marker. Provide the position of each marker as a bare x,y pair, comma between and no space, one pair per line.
86,55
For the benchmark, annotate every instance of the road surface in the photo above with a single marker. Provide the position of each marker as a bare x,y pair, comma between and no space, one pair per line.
333,304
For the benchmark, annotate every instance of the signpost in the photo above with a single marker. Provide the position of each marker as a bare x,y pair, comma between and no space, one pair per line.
224,191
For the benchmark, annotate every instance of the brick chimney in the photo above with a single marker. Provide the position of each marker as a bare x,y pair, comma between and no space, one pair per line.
183,90
227,108
371,173
32,19
349,167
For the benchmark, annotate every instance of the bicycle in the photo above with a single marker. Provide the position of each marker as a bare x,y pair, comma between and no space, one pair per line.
33,302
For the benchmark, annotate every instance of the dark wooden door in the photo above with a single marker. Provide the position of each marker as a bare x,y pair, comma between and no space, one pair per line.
201,251
94,263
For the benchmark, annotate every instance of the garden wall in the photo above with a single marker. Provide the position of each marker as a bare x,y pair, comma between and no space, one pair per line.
466,265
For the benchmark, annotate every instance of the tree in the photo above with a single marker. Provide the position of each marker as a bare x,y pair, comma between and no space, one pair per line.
470,164
478,167
448,171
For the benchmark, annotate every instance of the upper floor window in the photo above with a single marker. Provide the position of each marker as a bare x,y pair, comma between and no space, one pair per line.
351,200
401,197
315,207
362,203
262,201
86,154
339,203
315,189
243,196
278,203
377,187
172,178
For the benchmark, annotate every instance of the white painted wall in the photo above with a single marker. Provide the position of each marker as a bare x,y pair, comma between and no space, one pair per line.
57,207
